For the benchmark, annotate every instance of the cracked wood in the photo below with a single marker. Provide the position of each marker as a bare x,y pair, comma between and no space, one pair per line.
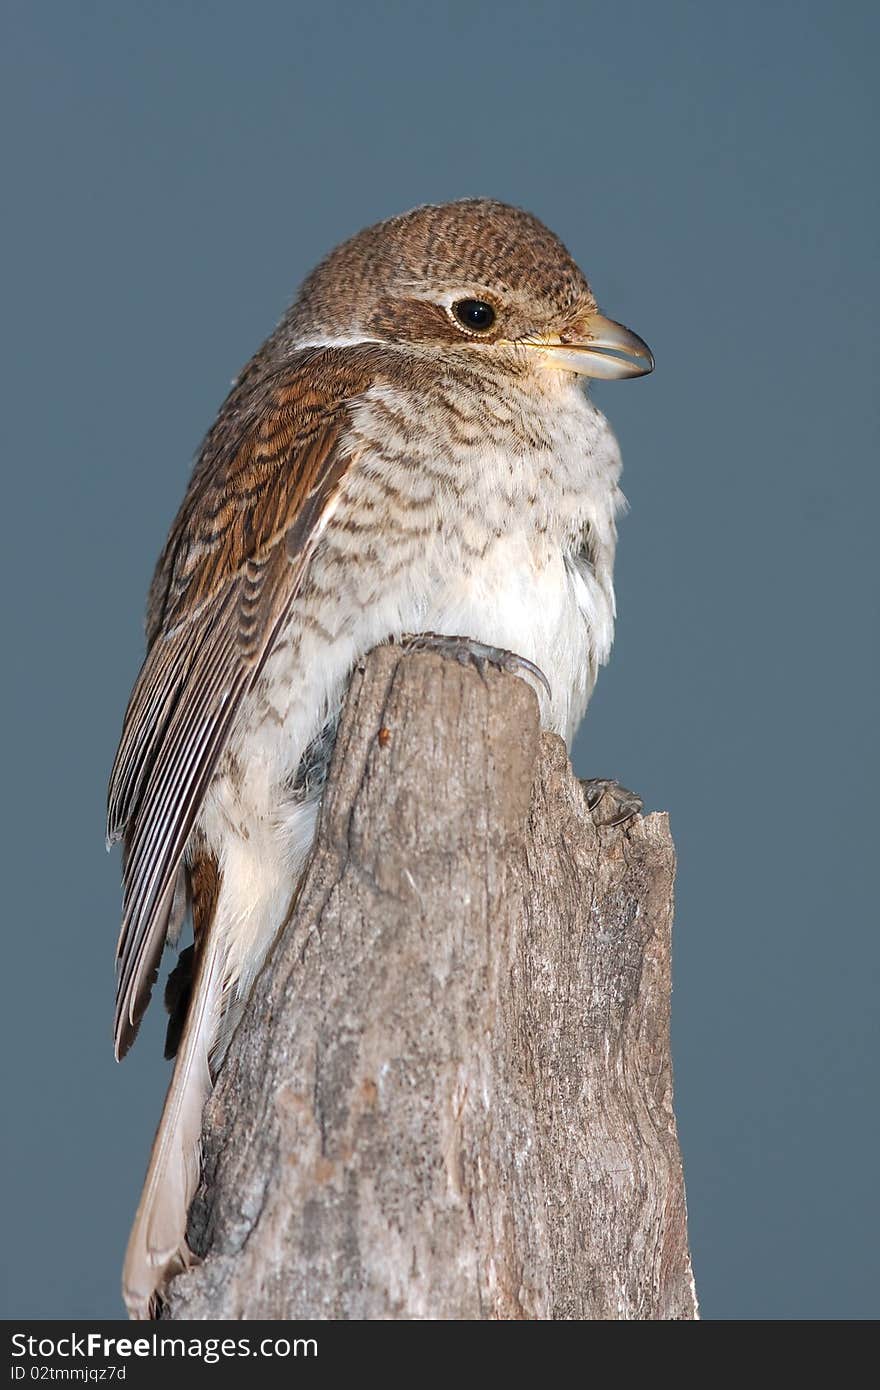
451,1096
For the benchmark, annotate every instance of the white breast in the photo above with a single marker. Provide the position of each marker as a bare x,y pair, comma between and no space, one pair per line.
519,555
521,559
543,588
540,603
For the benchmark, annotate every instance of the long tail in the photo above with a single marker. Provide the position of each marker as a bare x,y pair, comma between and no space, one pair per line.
157,1247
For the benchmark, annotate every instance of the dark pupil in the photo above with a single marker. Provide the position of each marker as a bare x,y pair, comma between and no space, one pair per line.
474,313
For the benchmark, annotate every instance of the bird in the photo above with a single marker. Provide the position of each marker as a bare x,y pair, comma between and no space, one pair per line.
411,455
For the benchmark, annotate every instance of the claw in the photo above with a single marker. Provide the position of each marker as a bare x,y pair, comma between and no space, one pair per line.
621,804
470,652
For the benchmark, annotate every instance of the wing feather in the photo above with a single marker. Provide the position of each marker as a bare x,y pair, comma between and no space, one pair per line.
266,483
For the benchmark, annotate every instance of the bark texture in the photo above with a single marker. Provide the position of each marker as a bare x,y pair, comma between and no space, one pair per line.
452,1094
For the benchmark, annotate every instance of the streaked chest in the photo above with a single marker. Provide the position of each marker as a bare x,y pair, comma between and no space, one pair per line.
502,530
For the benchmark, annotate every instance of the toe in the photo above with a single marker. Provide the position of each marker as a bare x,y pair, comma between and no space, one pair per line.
610,804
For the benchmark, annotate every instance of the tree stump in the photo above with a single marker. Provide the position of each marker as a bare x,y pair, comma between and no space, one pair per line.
451,1096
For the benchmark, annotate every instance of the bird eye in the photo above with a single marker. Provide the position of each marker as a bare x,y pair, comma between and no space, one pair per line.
474,314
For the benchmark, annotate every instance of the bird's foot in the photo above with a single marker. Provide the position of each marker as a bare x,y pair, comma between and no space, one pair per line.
152,1308
609,802
469,652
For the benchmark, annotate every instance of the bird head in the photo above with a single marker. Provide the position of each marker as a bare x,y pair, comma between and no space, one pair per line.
476,276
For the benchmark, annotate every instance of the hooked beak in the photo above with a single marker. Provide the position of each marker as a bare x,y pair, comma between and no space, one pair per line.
607,350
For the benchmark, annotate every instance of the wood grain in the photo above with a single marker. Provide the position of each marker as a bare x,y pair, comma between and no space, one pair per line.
451,1096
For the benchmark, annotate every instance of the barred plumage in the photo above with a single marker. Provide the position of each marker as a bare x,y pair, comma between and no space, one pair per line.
376,470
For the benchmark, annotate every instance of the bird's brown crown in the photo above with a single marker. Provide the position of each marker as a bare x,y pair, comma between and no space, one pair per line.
401,279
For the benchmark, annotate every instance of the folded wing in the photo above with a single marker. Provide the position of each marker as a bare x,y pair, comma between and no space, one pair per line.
265,486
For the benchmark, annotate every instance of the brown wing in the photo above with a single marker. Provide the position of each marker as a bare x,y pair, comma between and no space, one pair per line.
234,562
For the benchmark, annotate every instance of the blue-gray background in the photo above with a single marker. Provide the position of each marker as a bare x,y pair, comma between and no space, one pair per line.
171,171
